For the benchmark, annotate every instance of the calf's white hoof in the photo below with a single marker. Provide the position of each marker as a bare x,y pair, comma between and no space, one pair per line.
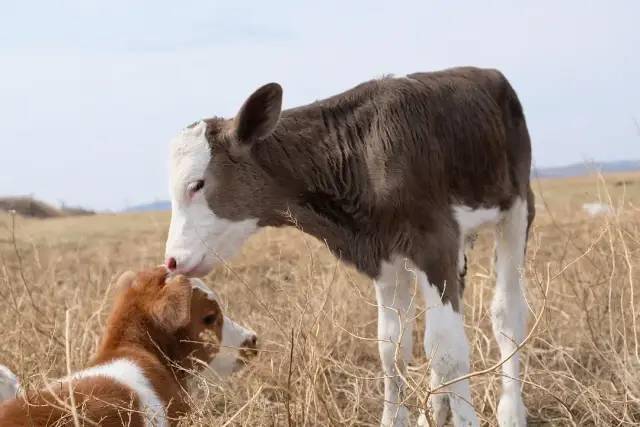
395,417
511,411
439,408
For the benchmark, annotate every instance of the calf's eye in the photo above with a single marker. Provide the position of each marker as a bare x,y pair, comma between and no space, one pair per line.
196,186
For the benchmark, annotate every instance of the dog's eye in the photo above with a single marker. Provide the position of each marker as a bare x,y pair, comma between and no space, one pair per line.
196,186
209,320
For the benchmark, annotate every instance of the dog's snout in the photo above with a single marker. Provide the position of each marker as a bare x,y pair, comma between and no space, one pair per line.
250,347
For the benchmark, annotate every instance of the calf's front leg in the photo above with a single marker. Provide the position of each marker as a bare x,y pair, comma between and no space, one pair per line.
395,297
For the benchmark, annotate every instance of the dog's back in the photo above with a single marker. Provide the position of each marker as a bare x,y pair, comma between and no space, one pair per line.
97,398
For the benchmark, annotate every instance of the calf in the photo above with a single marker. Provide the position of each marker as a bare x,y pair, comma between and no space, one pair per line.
394,175
159,330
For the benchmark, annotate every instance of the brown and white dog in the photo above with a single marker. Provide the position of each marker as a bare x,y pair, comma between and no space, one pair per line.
159,330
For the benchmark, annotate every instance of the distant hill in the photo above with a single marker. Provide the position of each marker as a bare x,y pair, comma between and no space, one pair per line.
579,169
30,207
157,206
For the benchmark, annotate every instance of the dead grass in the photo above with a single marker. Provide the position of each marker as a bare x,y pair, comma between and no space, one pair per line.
316,318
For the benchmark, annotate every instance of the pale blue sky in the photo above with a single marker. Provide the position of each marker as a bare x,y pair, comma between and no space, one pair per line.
92,91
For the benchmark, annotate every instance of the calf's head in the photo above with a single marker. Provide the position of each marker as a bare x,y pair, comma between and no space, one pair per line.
217,189
183,318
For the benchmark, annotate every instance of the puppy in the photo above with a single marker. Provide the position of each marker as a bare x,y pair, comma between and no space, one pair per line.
160,329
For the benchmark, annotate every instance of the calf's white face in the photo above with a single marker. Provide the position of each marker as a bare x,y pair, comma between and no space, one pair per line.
198,238
217,190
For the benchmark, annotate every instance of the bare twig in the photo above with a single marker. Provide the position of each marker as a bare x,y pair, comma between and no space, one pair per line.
67,349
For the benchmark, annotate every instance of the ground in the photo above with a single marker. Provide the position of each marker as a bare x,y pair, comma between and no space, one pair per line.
316,318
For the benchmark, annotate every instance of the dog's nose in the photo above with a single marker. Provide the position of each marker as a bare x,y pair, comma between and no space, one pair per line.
172,264
250,347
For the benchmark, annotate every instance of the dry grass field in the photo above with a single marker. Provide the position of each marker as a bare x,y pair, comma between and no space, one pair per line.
316,318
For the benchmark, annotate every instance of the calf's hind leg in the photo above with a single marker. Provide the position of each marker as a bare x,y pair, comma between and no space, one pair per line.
446,345
509,309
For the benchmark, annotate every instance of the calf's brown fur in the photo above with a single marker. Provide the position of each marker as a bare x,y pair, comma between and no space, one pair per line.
375,170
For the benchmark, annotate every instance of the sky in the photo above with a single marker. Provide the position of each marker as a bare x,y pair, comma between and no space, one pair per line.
91,92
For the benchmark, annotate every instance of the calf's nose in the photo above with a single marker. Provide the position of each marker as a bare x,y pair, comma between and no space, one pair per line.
171,264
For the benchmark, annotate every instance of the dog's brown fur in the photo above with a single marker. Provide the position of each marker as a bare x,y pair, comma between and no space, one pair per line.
156,322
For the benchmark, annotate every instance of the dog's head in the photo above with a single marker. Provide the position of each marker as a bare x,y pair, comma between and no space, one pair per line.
183,318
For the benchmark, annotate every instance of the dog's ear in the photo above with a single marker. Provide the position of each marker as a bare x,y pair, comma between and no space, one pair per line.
125,281
172,308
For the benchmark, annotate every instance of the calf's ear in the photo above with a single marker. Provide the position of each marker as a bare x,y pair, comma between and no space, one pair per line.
172,309
259,114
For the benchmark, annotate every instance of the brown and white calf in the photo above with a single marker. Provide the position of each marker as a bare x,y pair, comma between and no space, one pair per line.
160,329
393,174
